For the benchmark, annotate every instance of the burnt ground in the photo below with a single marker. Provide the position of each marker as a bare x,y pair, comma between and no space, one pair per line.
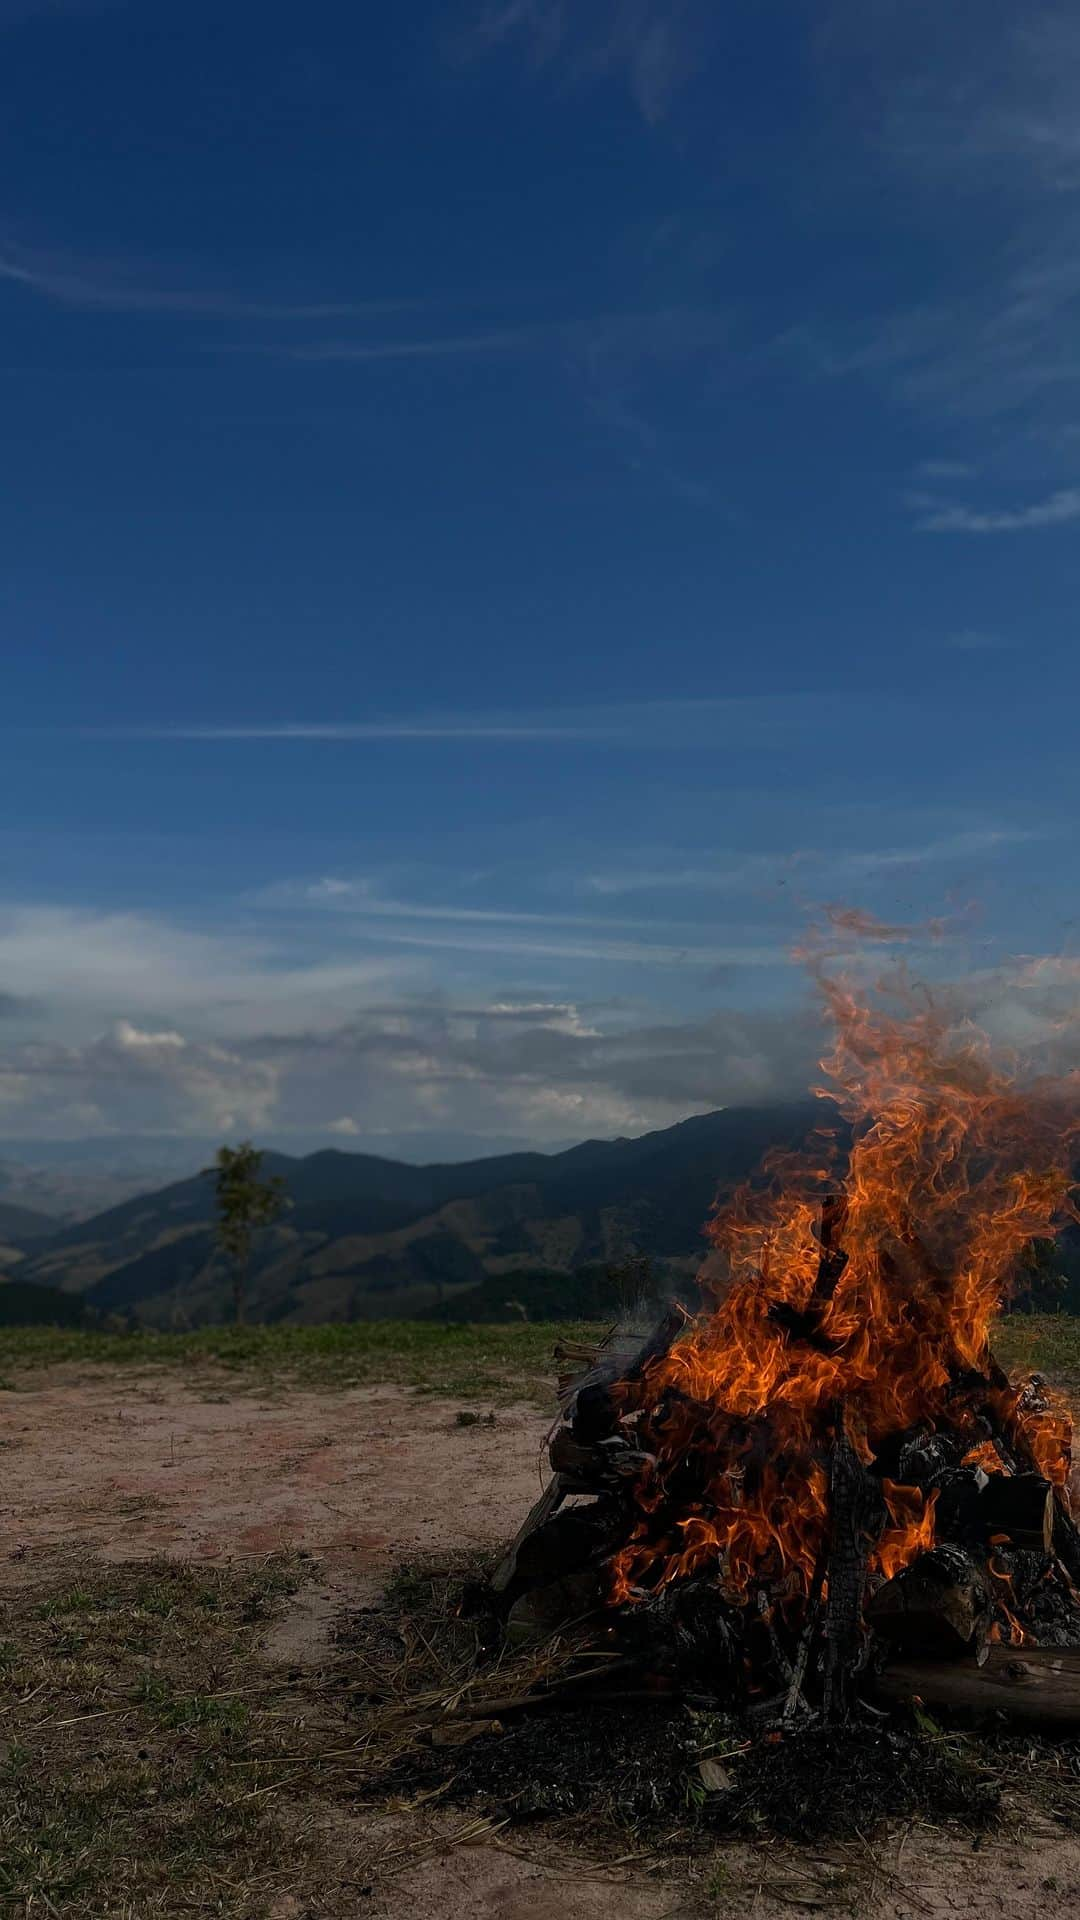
108,1475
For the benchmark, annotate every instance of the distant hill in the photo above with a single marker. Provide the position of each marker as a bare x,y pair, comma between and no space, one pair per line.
373,1238
21,1224
22,1305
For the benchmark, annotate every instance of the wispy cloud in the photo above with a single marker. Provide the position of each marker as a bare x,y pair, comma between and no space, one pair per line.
984,115
770,720
654,45
450,729
814,868
14,13
976,640
67,282
601,344
945,470
359,898
1056,511
508,945
451,346
995,103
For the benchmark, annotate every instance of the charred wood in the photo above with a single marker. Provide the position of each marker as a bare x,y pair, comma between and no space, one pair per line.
1000,1509
1066,1537
604,1397
605,1464
856,1518
926,1456
794,1698
940,1605
549,1502
805,1323
567,1543
687,1630
540,1611
596,1412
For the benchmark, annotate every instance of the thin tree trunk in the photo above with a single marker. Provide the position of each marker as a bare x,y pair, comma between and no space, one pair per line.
238,1279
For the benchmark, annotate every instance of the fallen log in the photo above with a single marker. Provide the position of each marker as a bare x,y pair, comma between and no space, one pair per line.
1037,1685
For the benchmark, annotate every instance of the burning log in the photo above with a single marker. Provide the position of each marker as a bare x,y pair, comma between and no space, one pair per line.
940,1605
1066,1533
1000,1509
856,1518
592,1469
603,1396
805,1323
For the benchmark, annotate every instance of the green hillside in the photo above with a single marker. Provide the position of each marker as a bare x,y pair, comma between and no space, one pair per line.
367,1238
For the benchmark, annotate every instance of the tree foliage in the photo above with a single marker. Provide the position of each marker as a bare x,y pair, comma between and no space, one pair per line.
245,1202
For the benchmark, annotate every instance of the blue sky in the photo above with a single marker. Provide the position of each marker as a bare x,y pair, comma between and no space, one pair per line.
508,507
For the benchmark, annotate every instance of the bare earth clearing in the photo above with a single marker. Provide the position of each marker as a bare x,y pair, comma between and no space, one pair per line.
114,1467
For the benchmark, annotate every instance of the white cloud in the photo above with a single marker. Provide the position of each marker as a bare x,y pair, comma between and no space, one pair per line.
136,1039
1058,510
85,967
127,1081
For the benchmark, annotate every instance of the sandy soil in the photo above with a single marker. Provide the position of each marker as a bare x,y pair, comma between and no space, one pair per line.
128,1468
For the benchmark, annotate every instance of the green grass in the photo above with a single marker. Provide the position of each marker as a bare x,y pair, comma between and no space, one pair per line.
464,1362
1041,1343
491,1362
145,1746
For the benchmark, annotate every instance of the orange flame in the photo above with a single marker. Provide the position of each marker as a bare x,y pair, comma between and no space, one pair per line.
954,1166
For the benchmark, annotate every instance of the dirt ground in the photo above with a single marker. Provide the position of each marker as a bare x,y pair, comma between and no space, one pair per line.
122,1468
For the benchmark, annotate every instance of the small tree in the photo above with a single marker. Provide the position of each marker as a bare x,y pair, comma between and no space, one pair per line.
244,1202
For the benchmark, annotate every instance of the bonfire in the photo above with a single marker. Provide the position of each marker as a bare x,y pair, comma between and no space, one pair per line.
818,1487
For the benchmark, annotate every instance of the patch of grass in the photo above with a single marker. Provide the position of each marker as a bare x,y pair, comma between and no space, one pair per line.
69,1600
469,1363
492,1363
141,1756
1041,1343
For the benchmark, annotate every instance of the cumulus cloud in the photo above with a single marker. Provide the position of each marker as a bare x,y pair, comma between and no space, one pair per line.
151,1028
128,1080
537,1071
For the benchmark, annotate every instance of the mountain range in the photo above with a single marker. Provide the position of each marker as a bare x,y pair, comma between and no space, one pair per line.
368,1238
